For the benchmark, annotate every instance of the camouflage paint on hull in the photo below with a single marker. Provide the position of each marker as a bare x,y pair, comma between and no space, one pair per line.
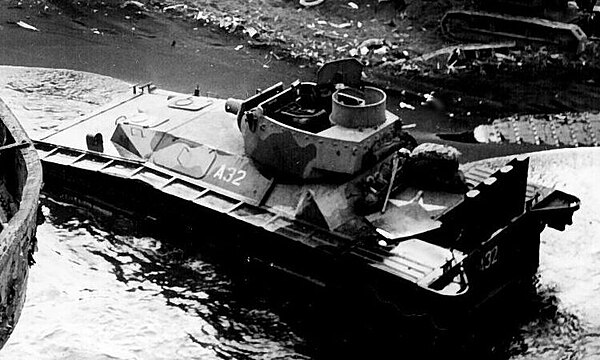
306,224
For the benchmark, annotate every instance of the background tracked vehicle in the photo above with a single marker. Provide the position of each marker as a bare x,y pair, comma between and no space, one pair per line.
558,23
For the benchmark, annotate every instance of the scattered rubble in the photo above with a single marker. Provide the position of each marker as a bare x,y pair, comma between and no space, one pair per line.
404,105
25,25
311,3
133,4
321,38
433,102
337,28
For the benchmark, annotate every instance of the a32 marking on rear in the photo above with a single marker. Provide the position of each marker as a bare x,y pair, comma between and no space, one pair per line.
489,258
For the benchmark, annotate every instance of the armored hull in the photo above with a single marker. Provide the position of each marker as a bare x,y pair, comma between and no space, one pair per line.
317,181
20,183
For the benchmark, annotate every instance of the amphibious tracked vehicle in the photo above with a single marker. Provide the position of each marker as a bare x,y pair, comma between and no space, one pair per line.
317,180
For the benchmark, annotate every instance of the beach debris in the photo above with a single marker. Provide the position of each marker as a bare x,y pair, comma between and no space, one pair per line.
45,11
311,3
252,32
320,39
18,5
455,51
404,105
340,26
133,4
376,46
176,7
370,43
504,58
239,47
432,102
25,25
381,50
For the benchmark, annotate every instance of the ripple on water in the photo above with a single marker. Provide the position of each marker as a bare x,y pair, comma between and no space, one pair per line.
47,99
567,319
96,295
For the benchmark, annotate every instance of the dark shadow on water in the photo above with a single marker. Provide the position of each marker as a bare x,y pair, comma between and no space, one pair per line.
338,327
241,299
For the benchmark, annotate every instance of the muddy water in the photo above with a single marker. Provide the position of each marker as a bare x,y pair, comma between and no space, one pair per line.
104,291
97,295
566,321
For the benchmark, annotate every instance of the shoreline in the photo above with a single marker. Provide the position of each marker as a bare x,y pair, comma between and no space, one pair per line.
184,40
174,55
78,93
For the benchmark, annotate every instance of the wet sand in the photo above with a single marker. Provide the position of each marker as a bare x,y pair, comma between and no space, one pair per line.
170,54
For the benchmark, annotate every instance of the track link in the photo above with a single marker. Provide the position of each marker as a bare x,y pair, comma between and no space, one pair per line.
485,27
